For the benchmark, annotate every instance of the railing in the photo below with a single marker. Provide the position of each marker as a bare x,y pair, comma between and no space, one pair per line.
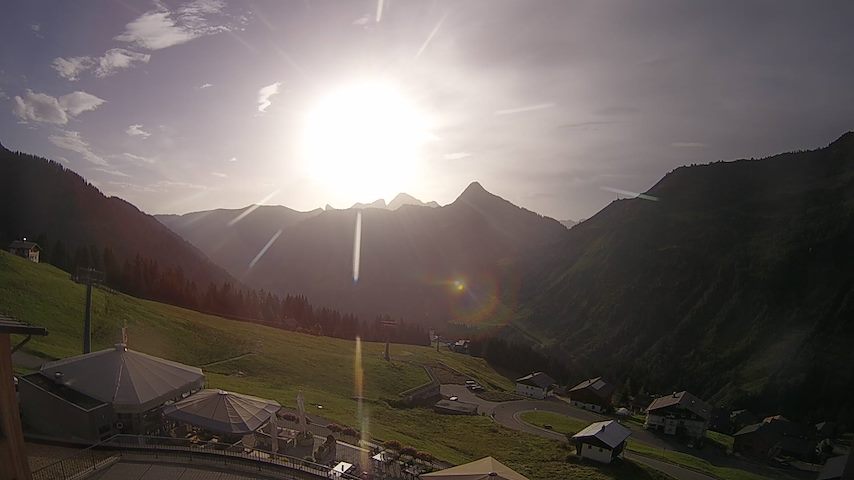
214,454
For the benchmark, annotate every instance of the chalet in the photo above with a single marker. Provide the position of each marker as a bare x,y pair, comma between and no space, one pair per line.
601,441
594,394
772,437
25,249
460,346
680,413
535,385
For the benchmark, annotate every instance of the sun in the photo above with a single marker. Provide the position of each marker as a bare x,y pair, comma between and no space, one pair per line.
365,140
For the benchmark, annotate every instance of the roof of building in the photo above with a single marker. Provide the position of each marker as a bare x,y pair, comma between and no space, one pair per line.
486,468
223,412
536,379
748,429
609,432
132,382
683,400
23,244
834,468
85,402
597,385
10,324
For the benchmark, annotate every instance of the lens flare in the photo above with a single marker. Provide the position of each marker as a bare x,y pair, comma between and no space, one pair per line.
358,390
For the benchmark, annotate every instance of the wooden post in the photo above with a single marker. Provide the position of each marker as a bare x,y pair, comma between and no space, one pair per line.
13,457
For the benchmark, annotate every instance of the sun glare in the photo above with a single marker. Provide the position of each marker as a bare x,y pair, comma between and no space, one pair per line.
365,140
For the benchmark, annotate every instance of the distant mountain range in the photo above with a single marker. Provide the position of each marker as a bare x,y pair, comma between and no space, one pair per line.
400,200
430,265
737,284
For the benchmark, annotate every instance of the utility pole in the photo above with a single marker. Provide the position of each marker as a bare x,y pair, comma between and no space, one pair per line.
88,277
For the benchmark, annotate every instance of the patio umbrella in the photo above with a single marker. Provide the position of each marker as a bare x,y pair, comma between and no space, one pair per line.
223,412
486,468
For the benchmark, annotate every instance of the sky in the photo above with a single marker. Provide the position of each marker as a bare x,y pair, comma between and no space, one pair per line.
183,106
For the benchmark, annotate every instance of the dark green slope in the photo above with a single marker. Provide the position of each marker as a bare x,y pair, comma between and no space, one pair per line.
54,206
738,284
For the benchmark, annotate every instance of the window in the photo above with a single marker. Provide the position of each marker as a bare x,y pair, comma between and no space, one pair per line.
589,447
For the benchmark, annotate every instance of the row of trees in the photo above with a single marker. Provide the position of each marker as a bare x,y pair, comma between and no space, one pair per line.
146,278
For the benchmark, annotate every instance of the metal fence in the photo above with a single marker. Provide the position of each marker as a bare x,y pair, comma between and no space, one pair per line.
219,455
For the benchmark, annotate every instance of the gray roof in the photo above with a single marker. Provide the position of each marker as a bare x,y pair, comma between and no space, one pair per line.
748,429
608,432
683,400
223,412
132,382
536,379
23,244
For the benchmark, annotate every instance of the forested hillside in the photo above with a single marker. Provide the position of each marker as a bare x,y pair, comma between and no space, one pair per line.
735,281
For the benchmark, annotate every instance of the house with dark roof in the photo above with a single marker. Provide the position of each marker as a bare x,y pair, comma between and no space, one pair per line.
680,413
25,249
773,437
535,385
601,441
593,394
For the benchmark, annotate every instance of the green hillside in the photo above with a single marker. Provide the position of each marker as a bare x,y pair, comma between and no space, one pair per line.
279,363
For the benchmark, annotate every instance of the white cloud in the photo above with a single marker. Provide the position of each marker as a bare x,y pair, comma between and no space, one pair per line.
71,68
35,27
118,58
39,107
206,85
78,102
219,174
113,172
232,159
138,158
163,28
688,145
363,20
105,65
137,131
73,141
456,155
264,95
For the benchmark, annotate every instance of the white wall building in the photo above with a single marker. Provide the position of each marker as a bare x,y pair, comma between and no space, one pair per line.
601,441
536,385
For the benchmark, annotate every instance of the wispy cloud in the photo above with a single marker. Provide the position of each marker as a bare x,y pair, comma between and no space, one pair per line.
138,158
69,140
112,172
264,95
219,174
527,108
41,107
456,155
205,85
162,28
136,130
113,60
688,145
232,159
117,59
71,68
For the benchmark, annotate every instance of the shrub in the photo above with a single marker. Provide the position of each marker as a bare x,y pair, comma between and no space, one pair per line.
408,451
425,456
334,428
350,432
393,445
